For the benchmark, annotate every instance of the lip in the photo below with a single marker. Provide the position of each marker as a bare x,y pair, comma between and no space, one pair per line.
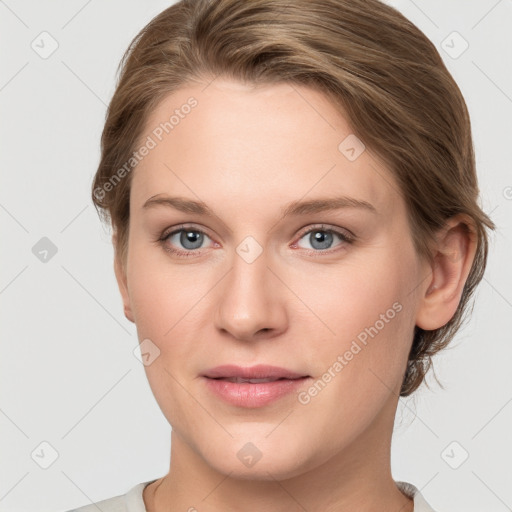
252,395
259,371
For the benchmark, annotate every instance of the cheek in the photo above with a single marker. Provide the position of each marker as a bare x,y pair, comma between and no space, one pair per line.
161,294
172,307
163,300
365,314
361,365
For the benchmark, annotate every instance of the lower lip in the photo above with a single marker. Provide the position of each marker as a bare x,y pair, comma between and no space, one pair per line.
253,395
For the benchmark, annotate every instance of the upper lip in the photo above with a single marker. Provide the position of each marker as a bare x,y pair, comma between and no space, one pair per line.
259,371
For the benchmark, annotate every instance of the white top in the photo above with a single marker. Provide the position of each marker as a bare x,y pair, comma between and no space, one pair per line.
132,501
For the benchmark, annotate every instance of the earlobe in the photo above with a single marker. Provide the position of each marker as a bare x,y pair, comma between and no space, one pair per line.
122,282
454,253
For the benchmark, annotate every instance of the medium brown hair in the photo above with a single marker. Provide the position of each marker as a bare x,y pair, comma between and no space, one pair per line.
370,61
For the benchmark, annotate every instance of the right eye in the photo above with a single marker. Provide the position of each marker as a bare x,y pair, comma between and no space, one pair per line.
190,239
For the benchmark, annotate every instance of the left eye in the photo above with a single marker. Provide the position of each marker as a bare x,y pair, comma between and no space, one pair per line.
321,239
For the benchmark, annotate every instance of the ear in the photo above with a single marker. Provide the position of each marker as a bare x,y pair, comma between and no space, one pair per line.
454,253
122,282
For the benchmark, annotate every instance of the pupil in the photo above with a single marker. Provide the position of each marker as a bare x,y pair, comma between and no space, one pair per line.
191,237
323,238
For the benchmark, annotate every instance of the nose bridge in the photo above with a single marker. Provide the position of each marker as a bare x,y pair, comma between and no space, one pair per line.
249,299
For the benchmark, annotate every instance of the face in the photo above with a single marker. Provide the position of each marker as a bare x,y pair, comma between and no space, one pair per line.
329,294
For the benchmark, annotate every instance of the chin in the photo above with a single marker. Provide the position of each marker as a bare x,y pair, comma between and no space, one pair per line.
263,471
259,460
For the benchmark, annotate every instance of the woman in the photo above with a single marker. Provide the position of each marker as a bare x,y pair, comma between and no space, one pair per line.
294,204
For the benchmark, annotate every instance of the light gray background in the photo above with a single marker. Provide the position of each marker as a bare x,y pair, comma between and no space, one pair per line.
68,374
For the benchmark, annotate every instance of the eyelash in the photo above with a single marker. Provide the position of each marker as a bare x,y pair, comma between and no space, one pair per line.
183,254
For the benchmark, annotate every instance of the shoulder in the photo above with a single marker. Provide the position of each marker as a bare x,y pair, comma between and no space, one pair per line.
410,490
115,504
132,501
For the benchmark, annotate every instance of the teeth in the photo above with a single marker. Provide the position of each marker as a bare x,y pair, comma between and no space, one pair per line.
240,380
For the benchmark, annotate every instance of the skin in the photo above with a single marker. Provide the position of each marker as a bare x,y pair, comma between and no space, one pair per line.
247,152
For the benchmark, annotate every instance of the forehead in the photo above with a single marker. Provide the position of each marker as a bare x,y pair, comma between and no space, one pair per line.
244,145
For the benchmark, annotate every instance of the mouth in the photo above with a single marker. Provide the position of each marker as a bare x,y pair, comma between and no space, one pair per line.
253,374
254,386
241,380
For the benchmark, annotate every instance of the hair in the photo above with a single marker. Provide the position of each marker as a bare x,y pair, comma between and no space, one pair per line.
366,57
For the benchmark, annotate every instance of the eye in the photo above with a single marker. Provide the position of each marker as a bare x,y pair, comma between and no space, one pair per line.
321,238
190,239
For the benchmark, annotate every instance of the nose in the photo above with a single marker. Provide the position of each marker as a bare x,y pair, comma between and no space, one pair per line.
251,300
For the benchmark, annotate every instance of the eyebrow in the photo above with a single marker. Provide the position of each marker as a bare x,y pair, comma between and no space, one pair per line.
295,208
